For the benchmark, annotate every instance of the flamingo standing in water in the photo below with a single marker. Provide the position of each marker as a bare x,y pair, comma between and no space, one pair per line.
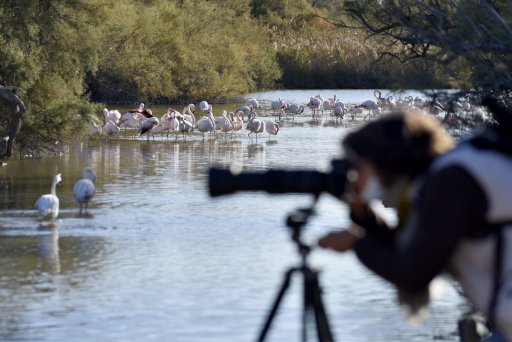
206,124
111,115
255,126
280,106
315,103
272,127
224,124
369,105
184,126
48,205
150,122
188,113
237,120
110,128
84,189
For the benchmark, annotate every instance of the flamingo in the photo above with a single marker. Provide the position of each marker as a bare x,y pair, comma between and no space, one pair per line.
139,110
206,124
111,115
314,104
184,126
280,106
294,109
369,105
246,110
188,113
224,124
84,189
254,126
237,120
147,125
110,128
253,102
48,205
205,107
272,127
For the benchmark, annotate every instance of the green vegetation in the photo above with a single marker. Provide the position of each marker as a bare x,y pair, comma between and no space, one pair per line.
69,57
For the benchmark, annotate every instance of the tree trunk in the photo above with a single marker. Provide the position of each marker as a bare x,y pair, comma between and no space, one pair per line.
16,111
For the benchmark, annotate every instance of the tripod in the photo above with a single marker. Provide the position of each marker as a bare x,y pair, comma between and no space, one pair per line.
313,305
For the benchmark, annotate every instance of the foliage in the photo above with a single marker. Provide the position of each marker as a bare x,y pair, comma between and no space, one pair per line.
467,42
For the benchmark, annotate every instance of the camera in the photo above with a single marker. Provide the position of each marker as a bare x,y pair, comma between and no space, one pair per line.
275,181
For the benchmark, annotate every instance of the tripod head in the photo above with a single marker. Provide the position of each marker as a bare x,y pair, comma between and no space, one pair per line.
296,221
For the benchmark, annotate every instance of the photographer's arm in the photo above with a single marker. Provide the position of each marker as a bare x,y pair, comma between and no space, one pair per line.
451,204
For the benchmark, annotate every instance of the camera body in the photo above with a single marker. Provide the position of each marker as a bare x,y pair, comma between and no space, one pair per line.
279,181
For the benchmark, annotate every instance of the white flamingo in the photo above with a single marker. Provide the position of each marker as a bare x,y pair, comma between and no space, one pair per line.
188,113
272,127
253,102
280,106
246,110
84,189
48,205
147,125
111,115
206,124
139,109
224,124
294,109
254,126
369,105
205,107
110,128
237,120
315,103
184,126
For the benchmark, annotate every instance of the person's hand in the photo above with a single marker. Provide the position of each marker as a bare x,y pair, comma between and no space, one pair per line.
340,241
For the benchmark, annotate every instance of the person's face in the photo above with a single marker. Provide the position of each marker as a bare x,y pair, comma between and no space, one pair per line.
365,171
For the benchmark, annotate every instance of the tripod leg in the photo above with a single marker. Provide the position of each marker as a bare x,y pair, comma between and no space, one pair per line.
275,306
313,301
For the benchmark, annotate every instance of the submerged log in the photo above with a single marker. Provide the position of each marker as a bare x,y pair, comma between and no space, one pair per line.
15,109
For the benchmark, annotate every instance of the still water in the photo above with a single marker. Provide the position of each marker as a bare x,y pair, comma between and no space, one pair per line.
157,259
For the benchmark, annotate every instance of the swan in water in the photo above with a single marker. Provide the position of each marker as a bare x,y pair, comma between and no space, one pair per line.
84,189
48,205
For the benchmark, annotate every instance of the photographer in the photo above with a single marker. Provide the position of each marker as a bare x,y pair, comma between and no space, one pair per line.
452,206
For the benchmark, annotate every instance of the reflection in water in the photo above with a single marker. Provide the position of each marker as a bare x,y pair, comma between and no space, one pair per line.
48,249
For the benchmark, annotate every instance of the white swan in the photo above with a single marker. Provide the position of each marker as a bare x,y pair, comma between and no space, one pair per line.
84,189
48,205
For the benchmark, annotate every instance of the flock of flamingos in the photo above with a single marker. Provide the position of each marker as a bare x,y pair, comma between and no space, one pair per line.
141,120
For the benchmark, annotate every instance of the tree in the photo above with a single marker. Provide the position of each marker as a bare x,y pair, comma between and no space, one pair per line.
468,41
